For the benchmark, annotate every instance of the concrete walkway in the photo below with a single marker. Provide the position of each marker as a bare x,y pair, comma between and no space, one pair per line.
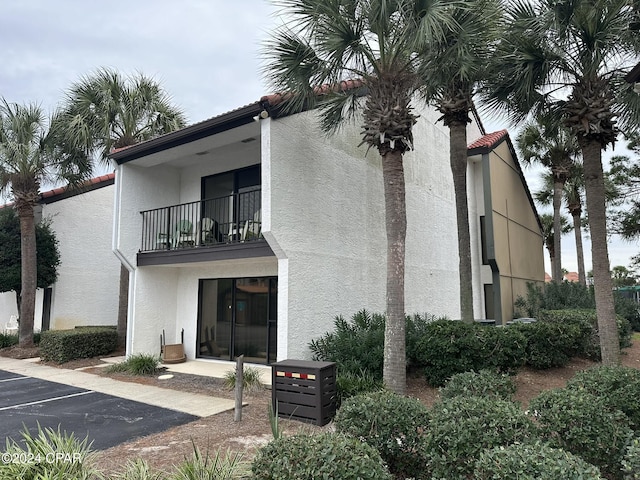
191,403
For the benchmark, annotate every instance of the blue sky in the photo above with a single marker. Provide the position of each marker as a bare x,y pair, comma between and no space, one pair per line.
206,53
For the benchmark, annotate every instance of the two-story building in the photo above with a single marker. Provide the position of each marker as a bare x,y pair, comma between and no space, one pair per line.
253,231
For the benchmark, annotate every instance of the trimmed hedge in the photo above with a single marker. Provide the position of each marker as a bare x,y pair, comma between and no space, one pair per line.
631,461
618,386
451,347
392,424
549,345
485,383
462,427
327,455
589,344
583,424
64,345
536,461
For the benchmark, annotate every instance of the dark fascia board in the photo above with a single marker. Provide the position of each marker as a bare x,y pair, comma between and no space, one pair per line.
72,192
221,123
486,150
634,75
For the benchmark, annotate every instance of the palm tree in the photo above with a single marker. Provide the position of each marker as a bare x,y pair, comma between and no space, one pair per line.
545,143
31,153
107,111
568,57
572,193
549,236
359,55
452,67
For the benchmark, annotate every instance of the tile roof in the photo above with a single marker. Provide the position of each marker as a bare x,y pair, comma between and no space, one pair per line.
88,185
345,85
490,140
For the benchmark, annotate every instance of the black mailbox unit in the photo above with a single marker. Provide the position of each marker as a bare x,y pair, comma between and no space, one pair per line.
304,390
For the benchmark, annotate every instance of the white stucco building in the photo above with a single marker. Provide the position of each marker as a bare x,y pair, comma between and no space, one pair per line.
86,292
253,231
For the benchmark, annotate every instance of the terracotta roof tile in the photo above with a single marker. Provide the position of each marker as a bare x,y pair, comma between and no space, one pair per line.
345,85
91,182
489,140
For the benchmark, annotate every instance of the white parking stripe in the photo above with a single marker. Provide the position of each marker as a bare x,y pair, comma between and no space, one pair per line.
47,400
11,379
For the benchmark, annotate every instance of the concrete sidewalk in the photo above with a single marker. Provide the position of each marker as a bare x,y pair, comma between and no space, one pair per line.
191,403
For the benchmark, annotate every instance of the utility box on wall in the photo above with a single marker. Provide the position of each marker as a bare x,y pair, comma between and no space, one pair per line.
304,390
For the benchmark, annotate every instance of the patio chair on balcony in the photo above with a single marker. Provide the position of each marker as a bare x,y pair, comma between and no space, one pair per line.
184,234
207,230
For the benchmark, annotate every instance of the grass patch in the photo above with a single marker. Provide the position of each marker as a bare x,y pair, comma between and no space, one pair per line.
138,364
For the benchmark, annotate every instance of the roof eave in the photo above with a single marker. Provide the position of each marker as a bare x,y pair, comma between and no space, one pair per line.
212,126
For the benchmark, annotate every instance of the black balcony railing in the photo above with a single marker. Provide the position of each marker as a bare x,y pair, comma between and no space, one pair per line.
230,219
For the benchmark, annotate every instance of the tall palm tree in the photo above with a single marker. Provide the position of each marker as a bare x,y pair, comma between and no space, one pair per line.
542,141
453,66
573,194
569,57
324,47
549,235
31,153
106,111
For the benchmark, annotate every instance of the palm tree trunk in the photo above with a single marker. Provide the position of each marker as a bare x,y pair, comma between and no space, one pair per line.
558,187
394,368
595,193
458,160
29,273
577,230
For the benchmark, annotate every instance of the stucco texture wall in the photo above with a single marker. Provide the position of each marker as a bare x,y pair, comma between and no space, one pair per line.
86,292
326,219
518,241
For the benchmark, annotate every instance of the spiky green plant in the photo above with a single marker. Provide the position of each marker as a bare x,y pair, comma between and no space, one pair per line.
251,379
207,467
49,454
138,364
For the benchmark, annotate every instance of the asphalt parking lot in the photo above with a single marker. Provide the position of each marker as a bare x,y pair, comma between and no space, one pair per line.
105,419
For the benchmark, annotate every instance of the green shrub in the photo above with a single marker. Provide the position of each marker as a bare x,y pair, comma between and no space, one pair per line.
354,345
349,384
629,309
327,455
54,454
137,364
450,347
205,466
583,424
64,345
549,345
462,427
417,327
631,461
251,379
137,469
447,348
8,339
484,383
535,461
555,296
618,386
502,349
392,424
588,344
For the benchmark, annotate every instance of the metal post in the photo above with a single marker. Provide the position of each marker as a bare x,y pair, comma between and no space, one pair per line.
239,387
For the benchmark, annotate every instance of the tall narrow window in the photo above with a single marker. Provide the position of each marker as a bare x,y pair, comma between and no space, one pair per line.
483,240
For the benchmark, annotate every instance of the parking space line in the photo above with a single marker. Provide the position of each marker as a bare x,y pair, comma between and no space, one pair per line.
12,379
47,400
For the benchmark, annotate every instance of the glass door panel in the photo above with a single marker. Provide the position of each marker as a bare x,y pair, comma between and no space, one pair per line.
215,322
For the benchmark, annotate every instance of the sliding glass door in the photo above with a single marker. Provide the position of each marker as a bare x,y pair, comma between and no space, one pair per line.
238,317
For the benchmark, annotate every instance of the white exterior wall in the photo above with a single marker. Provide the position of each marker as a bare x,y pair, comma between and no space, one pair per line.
86,292
324,218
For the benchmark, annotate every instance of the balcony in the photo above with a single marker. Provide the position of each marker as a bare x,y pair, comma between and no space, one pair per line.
228,223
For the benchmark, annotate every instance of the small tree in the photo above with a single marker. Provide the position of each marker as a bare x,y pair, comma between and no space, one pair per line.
47,256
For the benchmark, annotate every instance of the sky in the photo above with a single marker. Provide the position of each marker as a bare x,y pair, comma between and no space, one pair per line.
205,53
